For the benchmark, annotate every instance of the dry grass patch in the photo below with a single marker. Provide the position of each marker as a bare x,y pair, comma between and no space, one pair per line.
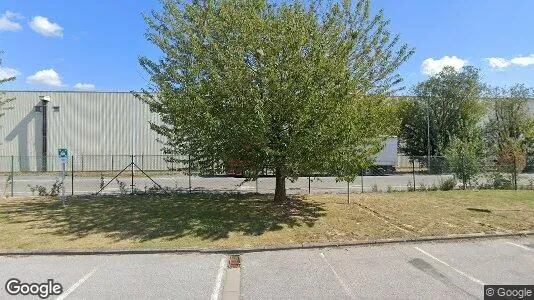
440,213
253,220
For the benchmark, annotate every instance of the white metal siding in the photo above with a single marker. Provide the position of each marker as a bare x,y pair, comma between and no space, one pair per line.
88,123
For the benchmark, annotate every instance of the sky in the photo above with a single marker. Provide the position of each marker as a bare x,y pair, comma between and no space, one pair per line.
95,45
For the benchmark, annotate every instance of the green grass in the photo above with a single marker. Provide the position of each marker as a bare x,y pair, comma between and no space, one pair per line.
252,220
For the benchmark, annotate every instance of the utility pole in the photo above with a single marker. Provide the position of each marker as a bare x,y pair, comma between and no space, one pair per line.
428,136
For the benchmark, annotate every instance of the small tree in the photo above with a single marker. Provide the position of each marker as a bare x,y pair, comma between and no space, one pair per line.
293,87
465,157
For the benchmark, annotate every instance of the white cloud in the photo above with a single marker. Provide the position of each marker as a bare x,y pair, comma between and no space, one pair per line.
43,26
498,62
84,86
523,60
7,22
6,73
46,77
501,63
432,66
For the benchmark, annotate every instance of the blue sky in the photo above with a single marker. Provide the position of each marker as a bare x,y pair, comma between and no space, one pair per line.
94,45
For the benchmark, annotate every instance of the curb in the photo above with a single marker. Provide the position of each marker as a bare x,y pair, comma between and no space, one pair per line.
446,238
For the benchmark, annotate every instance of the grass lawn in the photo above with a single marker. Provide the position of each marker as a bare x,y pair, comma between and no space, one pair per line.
252,220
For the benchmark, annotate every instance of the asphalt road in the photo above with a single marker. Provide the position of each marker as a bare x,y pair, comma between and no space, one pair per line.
89,185
442,270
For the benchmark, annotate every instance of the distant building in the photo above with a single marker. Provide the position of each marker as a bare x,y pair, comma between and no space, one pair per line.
99,128
88,124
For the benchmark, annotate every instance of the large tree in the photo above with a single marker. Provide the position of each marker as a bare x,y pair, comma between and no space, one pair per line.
509,126
445,106
508,117
293,87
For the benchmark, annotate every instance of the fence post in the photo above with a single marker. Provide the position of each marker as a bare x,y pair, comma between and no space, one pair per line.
132,173
112,167
12,175
72,175
362,180
82,162
189,171
463,172
309,185
515,173
348,192
413,173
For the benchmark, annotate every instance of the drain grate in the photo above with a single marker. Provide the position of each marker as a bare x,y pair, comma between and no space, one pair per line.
234,261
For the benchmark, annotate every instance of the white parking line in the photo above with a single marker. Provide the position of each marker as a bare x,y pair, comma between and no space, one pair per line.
218,281
520,246
451,267
76,285
345,286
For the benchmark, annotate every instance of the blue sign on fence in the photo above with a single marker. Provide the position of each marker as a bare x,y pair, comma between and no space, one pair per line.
63,155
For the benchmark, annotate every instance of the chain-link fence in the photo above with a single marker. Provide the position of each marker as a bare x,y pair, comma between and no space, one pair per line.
89,174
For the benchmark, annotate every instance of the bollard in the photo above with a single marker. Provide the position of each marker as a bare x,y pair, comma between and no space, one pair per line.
72,175
413,173
12,176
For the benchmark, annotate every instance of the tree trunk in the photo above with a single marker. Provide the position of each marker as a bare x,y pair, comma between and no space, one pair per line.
280,190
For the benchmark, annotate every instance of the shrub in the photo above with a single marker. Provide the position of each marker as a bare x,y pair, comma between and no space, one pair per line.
500,182
410,186
434,187
447,184
102,181
374,188
122,187
42,191
422,187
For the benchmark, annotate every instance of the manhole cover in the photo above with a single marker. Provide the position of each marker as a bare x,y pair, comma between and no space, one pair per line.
234,261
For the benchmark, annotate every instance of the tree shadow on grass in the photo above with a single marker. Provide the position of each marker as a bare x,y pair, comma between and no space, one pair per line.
149,217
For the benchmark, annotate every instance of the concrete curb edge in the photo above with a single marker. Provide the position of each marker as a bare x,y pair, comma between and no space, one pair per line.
194,250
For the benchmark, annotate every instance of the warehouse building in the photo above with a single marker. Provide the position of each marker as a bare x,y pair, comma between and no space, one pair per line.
93,126
101,130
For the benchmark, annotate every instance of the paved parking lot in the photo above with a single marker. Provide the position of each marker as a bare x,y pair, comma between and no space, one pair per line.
439,270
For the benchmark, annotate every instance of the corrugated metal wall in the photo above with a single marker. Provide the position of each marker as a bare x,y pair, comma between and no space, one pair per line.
87,123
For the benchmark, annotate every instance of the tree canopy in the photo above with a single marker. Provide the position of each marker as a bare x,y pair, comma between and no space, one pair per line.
509,125
293,87
4,101
508,117
446,105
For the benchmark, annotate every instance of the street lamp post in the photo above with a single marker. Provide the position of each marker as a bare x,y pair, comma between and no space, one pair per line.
428,136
